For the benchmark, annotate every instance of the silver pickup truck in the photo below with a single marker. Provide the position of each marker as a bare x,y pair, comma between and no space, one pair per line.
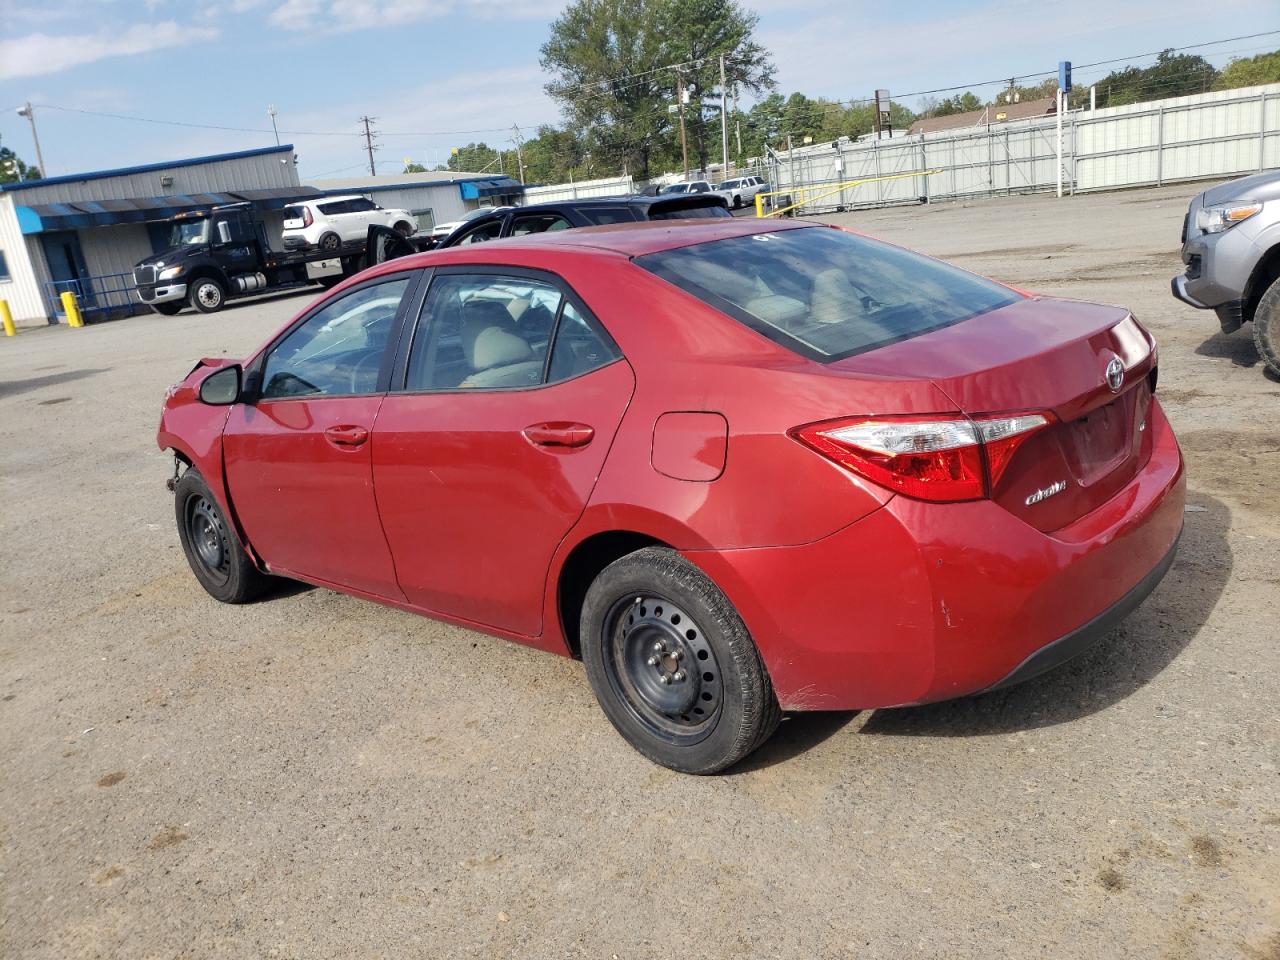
1231,248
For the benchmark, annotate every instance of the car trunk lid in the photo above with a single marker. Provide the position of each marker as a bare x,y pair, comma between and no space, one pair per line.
1049,356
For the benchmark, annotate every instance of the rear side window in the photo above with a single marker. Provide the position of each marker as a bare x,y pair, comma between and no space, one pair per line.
538,223
338,206
824,293
601,216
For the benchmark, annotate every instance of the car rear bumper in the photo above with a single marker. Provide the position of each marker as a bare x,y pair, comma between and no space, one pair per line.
295,243
920,602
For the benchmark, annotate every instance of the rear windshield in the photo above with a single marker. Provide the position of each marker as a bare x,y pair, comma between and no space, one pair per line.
294,213
683,211
824,293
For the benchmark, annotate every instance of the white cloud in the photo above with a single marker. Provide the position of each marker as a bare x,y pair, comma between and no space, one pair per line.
337,16
342,15
40,53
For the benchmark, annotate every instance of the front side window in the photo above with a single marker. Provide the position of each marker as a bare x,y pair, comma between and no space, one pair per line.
825,293
360,205
338,350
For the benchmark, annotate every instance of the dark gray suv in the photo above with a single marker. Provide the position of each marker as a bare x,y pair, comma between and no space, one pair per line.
1231,248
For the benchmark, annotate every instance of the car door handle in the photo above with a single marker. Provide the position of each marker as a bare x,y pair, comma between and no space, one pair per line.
559,433
346,437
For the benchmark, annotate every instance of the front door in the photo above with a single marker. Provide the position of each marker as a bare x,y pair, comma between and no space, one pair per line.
234,243
67,267
298,456
488,455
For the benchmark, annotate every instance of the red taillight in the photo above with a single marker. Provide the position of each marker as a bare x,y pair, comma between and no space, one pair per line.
307,219
943,458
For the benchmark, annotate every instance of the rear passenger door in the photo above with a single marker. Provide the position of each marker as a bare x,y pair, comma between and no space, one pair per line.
503,406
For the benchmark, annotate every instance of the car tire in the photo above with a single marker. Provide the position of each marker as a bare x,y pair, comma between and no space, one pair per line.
213,548
170,308
404,228
652,614
1266,327
329,243
737,203
207,295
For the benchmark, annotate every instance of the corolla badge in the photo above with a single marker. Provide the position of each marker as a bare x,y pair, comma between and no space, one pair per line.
1115,374
1044,493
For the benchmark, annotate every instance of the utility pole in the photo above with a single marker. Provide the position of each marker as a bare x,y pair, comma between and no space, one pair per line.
737,122
271,112
724,121
519,153
368,143
26,111
684,144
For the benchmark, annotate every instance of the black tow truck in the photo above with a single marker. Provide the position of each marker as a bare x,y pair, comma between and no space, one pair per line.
224,252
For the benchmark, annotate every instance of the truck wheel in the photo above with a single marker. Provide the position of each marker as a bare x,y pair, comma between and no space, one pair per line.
672,664
404,228
1266,327
207,295
329,243
169,308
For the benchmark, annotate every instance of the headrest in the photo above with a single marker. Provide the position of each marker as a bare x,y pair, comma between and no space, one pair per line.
497,347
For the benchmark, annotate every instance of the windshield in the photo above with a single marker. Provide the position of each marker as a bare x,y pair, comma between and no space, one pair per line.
189,233
824,293
675,188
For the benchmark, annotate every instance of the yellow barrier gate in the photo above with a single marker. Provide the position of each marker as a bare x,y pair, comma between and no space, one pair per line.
828,190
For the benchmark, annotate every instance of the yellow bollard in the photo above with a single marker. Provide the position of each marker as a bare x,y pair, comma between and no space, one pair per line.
72,309
759,206
9,329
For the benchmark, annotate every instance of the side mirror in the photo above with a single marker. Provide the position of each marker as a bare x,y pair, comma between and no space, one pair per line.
222,388
224,231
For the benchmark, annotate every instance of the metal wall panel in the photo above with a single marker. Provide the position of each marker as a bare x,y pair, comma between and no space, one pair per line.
1216,134
23,290
243,173
608,187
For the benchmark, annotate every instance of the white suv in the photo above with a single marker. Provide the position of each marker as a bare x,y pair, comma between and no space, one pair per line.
329,224
740,190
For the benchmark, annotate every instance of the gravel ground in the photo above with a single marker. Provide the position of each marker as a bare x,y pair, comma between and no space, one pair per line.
314,776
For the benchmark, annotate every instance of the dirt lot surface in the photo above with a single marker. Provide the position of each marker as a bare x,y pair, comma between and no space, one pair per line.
316,777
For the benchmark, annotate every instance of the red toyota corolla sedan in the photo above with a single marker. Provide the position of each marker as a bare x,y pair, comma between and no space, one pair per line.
737,467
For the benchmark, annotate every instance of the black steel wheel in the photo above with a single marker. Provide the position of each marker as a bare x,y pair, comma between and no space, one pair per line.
213,549
672,664
661,666
208,537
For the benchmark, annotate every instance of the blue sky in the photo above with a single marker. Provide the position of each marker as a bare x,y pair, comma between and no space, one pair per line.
439,73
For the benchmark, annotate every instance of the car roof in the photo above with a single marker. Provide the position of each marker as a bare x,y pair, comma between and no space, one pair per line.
345,196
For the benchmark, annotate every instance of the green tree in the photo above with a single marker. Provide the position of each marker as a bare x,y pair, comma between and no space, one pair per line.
475,158
414,168
555,156
612,63
957,103
1172,75
13,169
1250,71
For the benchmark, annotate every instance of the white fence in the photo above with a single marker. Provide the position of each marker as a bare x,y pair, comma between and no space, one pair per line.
1225,133
609,187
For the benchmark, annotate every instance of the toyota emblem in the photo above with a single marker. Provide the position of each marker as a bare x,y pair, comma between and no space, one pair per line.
1115,374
